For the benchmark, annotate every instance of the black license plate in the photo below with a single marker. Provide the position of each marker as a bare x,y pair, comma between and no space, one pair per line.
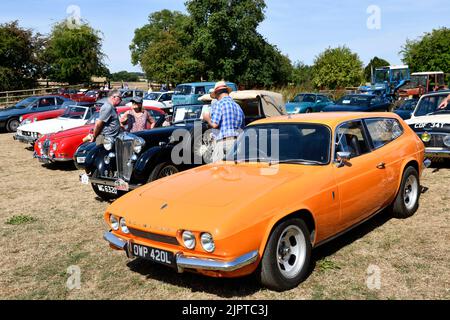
153,254
108,189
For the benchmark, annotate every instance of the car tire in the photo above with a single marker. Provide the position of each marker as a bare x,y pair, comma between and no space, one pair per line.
104,195
161,170
406,202
287,256
12,125
309,110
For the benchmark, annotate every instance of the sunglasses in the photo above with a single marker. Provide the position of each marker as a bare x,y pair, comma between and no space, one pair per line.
118,97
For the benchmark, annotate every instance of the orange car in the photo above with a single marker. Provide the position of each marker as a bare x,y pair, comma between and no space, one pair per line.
290,184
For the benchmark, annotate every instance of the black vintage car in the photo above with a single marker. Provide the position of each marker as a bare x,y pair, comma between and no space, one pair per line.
136,159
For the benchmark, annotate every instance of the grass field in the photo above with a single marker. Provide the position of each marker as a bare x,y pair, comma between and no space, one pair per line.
49,222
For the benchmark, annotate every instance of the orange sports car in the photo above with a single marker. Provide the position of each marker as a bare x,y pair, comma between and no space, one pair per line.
290,184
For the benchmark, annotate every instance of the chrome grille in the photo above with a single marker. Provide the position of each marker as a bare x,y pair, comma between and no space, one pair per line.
46,147
153,236
124,151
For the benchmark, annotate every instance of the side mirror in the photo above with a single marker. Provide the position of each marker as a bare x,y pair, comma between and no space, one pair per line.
342,158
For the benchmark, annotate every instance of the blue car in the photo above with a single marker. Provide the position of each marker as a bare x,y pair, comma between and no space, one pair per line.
308,102
10,116
406,108
360,103
188,93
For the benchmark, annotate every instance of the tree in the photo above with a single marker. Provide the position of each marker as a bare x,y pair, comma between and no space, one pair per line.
125,76
225,40
374,63
19,57
337,68
430,52
161,47
74,55
302,74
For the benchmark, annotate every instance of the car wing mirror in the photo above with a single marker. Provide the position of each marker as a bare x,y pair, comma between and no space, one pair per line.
342,158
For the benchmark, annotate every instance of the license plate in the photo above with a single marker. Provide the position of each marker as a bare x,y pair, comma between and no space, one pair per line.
107,189
81,159
84,178
153,254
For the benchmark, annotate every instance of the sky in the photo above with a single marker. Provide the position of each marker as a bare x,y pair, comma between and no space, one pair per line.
300,29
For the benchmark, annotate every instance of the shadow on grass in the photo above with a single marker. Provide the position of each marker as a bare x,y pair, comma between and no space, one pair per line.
242,287
61,166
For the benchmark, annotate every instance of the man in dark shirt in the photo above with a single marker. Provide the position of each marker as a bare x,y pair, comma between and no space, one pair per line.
108,124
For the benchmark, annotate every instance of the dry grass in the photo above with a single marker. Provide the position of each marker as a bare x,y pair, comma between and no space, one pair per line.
62,226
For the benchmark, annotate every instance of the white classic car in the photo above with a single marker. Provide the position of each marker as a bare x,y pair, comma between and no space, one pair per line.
432,124
161,100
74,116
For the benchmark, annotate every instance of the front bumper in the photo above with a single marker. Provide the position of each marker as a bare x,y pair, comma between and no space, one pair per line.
24,139
185,262
437,153
116,183
47,159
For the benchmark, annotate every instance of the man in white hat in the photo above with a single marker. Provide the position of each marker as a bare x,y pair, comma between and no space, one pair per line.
227,117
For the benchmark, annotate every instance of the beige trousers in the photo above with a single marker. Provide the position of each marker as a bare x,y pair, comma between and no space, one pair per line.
221,148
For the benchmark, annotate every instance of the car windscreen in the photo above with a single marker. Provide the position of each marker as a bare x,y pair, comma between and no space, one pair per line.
183,90
191,112
298,143
26,102
74,112
430,105
305,98
350,100
152,96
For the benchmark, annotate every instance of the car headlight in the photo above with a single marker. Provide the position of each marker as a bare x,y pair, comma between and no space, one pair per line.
114,222
39,145
207,242
138,144
26,121
108,143
426,137
296,110
447,141
123,226
54,146
188,239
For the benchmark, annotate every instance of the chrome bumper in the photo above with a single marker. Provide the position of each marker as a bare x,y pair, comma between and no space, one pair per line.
47,159
105,182
24,139
184,262
437,152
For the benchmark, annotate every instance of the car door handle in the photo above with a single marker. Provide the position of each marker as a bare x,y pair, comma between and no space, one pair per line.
381,165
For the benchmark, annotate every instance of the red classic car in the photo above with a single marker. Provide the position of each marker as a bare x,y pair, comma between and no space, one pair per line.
88,96
61,146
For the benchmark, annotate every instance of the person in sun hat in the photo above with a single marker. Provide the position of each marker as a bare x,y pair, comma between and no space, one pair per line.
227,117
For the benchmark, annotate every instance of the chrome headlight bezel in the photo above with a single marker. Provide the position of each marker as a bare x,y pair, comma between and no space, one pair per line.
188,238
138,145
207,242
114,222
446,140
108,143
123,226
54,146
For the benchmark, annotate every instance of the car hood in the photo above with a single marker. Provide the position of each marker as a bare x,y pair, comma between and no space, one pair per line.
52,125
437,122
290,106
337,107
77,131
212,196
12,111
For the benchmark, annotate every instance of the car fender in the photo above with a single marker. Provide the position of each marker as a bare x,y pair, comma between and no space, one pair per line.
95,158
149,159
279,217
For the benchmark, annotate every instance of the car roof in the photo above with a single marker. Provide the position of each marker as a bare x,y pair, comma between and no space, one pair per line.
360,95
331,119
426,73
